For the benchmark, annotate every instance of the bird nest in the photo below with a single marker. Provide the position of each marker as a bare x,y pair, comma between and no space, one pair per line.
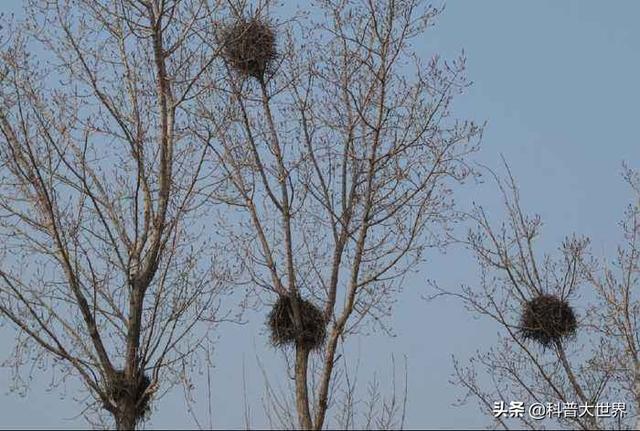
547,320
121,390
284,332
249,46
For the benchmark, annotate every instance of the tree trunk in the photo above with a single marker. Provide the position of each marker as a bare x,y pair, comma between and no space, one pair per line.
302,395
125,417
636,387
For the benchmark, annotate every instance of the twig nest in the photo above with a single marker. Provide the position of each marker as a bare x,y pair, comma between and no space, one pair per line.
249,46
120,391
547,319
283,329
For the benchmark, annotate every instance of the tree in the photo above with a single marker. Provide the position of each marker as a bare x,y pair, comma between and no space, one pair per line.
106,269
339,151
596,364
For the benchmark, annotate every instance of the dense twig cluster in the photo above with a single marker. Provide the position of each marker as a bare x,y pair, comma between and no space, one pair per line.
120,389
284,331
249,46
547,319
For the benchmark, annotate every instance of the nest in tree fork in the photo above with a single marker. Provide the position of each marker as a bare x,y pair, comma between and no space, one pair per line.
249,46
547,319
121,390
284,332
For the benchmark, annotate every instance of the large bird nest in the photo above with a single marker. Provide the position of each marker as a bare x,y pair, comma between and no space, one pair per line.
284,332
249,46
121,390
547,320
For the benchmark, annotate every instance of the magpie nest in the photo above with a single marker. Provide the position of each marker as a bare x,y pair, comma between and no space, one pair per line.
120,390
283,329
249,46
547,319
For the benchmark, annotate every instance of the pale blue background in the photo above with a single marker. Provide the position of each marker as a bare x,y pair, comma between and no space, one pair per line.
557,82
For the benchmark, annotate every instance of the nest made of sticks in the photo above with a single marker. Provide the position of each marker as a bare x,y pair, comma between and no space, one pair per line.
547,319
311,335
249,46
121,390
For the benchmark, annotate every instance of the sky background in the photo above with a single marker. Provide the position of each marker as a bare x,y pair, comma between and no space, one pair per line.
557,83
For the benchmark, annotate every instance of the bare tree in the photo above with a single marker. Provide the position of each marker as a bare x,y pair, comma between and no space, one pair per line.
372,403
339,151
596,365
106,269
614,315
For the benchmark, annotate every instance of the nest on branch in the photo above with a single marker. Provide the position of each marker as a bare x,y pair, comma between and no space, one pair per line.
547,320
249,46
284,332
121,390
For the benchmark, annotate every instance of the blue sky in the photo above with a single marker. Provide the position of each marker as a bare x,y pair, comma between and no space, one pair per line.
557,83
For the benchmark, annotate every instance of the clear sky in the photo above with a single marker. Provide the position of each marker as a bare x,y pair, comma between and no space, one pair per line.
557,82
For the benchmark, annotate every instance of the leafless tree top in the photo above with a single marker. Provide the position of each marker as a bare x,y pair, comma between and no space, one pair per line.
106,262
